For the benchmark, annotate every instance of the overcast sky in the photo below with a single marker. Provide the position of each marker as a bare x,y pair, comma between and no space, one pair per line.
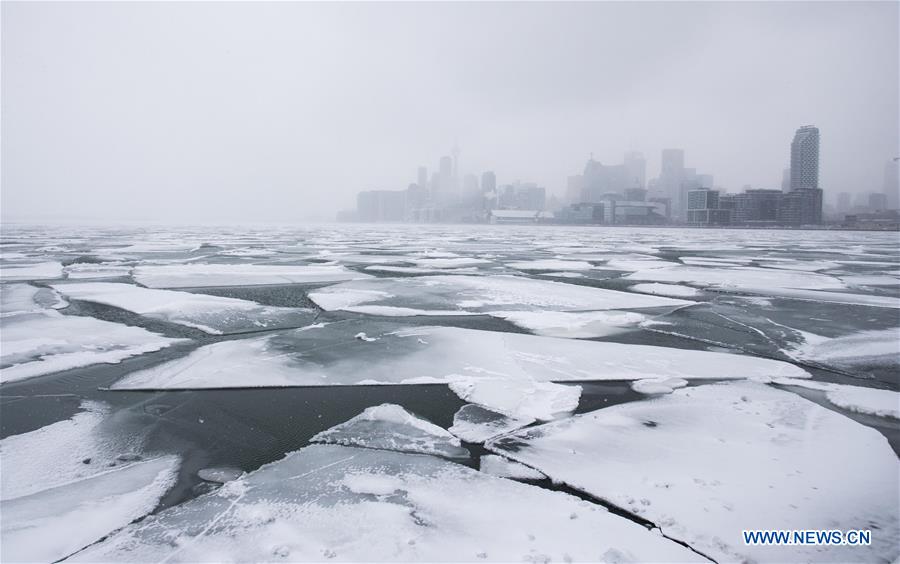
283,111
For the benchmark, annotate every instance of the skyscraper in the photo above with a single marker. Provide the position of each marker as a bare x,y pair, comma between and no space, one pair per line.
671,177
635,170
422,178
488,182
786,180
805,158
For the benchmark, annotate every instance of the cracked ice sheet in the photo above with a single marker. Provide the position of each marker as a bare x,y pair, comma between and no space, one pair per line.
212,314
54,455
506,468
551,264
53,523
870,401
866,348
438,295
35,271
673,290
739,277
707,462
200,275
574,325
390,427
331,355
350,504
36,339
516,397
475,424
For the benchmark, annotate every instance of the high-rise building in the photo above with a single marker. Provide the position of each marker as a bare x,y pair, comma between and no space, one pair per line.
786,180
805,158
703,208
878,201
635,170
671,178
892,184
381,205
422,177
488,182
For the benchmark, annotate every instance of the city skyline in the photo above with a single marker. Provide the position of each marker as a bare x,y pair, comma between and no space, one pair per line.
285,111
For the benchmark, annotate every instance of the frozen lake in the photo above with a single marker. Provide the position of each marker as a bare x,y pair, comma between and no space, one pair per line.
584,364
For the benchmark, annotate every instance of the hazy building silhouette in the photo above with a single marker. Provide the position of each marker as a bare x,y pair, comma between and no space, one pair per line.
635,170
892,184
786,180
805,158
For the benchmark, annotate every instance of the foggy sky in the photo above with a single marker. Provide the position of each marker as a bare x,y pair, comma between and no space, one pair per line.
283,111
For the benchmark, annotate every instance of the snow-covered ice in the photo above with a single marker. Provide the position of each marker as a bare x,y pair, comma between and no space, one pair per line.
658,385
409,355
475,424
53,523
352,504
220,474
706,462
574,325
437,295
200,275
505,468
37,339
551,264
517,397
211,314
739,277
672,290
33,271
870,401
390,427
872,348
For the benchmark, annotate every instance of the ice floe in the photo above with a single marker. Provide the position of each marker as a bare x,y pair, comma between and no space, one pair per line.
51,524
475,424
330,355
506,468
870,401
551,264
739,277
672,290
35,271
37,339
220,475
63,452
437,295
517,397
200,275
92,270
575,325
349,504
658,385
705,463
211,314
390,427
866,348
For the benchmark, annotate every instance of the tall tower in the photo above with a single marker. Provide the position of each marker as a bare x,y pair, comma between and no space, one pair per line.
635,170
805,158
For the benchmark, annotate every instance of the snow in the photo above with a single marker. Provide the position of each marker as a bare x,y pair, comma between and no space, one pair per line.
574,325
706,462
869,401
34,271
54,455
449,262
505,468
89,270
475,424
212,314
871,280
200,275
410,355
866,348
551,264
352,504
37,339
220,474
739,277
518,398
673,290
53,523
390,427
658,385
437,295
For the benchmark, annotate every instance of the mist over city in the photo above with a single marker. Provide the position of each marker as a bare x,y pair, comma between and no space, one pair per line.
284,111
465,282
